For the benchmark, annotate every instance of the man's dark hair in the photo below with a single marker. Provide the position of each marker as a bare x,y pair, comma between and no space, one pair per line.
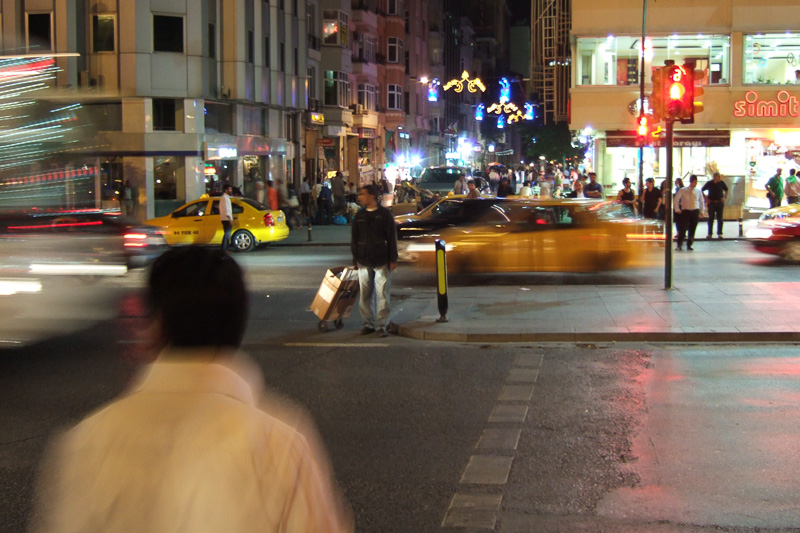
372,190
200,297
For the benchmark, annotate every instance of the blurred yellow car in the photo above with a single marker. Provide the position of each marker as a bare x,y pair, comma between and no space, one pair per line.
198,223
539,236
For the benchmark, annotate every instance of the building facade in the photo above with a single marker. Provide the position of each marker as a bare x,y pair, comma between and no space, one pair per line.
747,52
189,95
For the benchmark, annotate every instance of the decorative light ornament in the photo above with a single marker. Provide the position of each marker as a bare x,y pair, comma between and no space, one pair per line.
458,84
479,111
505,90
529,114
500,122
433,90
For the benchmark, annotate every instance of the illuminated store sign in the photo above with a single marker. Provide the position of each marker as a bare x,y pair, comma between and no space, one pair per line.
784,105
215,152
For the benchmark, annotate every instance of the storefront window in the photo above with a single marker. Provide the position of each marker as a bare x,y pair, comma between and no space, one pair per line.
166,172
772,58
614,60
255,172
366,148
218,172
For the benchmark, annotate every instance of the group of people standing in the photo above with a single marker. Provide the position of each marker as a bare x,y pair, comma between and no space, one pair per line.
777,188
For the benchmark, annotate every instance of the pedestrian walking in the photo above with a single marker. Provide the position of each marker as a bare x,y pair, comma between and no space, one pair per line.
715,193
196,444
272,196
305,197
325,205
226,215
494,180
792,187
689,206
775,190
460,186
338,192
504,189
651,199
374,247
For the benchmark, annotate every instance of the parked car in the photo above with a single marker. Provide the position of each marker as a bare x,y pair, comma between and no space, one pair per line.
440,180
778,232
198,222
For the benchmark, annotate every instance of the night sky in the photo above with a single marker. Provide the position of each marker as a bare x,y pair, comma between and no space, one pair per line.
520,9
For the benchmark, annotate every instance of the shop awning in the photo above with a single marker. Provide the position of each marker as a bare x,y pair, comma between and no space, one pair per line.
682,139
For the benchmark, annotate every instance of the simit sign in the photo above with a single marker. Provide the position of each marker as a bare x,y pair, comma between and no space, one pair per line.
784,105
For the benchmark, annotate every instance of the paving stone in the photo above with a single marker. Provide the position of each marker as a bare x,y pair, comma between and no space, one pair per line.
473,510
487,469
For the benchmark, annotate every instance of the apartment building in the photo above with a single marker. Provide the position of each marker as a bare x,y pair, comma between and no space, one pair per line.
747,52
181,95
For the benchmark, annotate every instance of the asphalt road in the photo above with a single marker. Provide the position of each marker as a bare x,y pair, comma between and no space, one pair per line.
613,437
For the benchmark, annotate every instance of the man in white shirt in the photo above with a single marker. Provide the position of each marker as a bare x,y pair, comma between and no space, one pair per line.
196,444
226,215
689,205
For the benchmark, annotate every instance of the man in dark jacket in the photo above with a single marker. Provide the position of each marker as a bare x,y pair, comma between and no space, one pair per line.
374,248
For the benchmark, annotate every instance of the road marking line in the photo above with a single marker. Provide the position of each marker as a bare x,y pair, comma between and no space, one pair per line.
529,359
338,344
523,375
487,469
499,439
473,510
516,393
509,413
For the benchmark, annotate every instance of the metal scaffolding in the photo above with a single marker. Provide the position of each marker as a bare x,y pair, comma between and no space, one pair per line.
550,57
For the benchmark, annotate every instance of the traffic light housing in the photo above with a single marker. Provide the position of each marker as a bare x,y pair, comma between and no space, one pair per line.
679,93
697,107
642,130
656,100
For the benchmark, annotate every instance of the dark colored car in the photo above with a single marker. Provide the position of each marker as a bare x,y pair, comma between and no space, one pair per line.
65,271
86,240
449,212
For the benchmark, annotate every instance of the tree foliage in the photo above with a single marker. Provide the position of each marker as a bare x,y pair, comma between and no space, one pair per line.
553,141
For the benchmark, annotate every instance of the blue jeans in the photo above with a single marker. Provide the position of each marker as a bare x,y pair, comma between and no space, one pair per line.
374,284
226,234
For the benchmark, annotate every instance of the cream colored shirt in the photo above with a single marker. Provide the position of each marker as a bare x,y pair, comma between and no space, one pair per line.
192,448
689,199
225,208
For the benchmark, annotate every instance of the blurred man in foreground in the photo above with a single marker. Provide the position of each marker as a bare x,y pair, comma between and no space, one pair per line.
196,445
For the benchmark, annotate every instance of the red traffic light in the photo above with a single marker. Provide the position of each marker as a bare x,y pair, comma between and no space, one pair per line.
643,127
679,92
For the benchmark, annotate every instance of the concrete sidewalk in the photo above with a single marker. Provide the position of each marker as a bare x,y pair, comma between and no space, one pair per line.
718,312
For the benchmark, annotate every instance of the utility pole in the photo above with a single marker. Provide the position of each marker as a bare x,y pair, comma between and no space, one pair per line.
640,185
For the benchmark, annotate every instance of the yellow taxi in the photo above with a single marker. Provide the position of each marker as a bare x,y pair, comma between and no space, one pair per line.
198,223
537,236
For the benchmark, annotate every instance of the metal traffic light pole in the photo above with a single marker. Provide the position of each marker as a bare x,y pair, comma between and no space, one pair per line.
668,209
